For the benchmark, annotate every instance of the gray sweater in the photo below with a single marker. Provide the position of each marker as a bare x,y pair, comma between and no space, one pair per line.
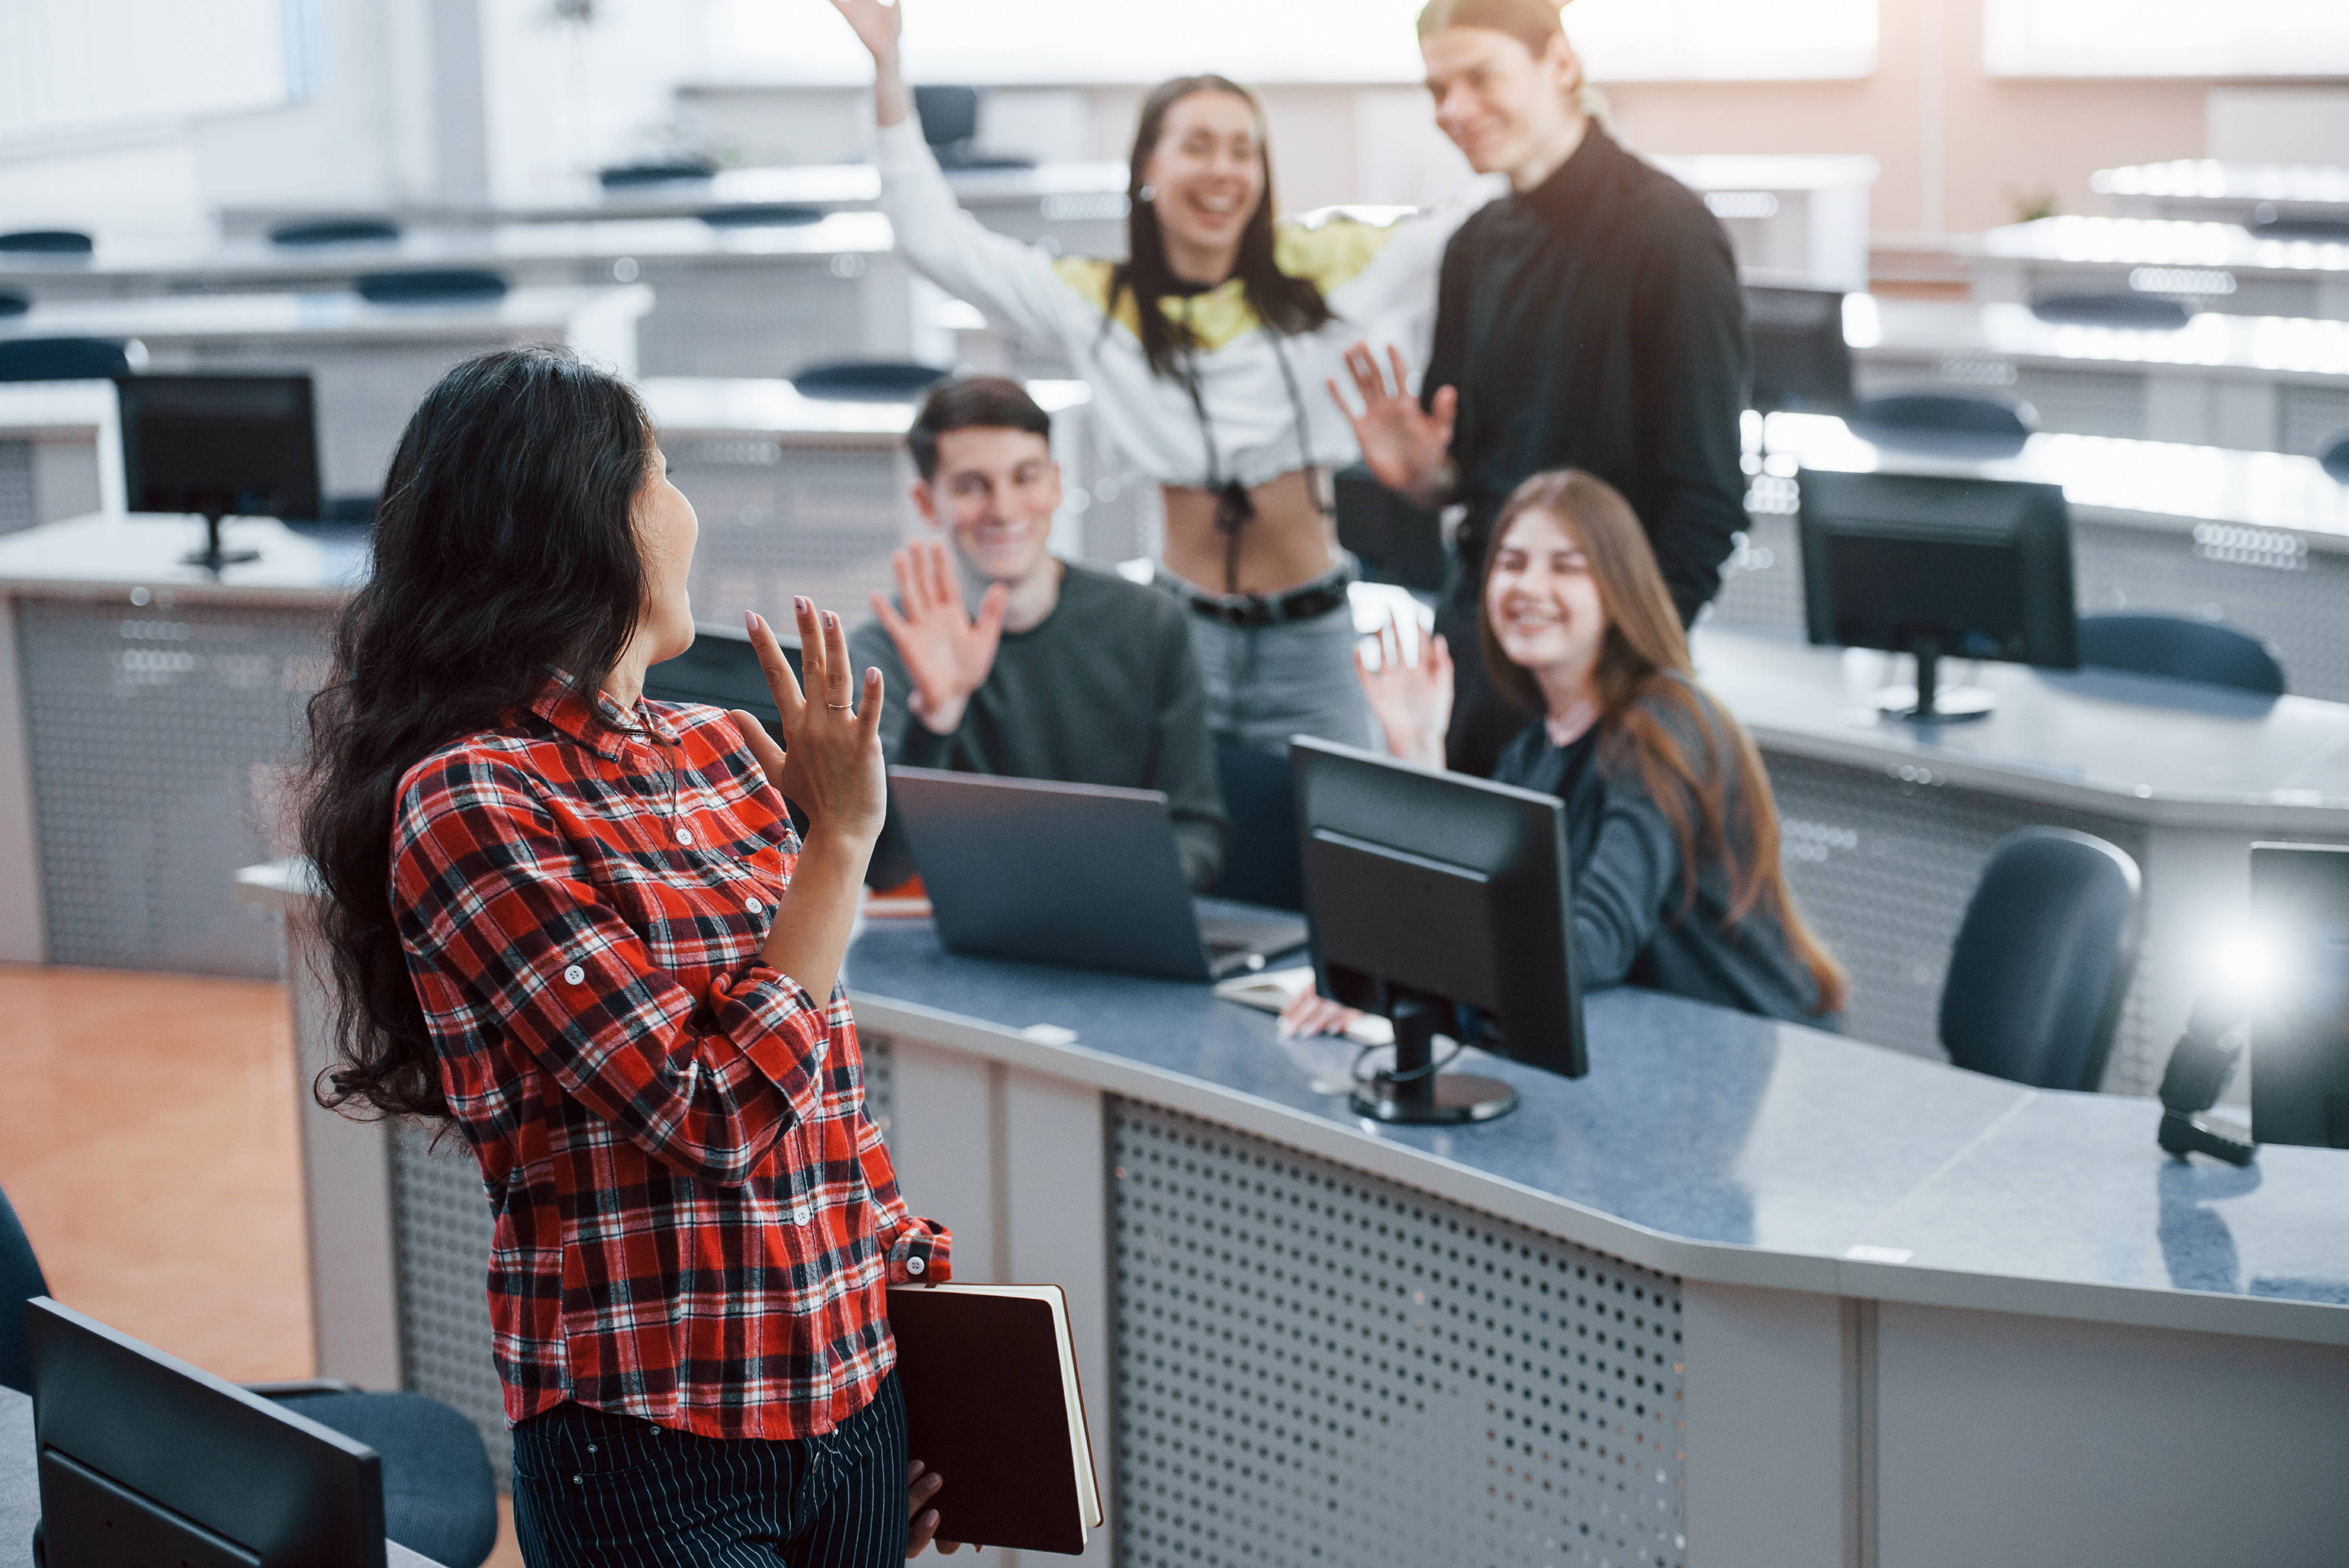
1629,922
1103,690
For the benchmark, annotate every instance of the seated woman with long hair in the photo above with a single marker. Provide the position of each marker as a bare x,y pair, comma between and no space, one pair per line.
577,926
1672,829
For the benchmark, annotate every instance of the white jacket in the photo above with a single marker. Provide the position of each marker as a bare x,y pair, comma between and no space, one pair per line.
1379,279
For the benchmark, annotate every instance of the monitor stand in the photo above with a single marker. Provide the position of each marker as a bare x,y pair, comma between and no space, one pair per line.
1414,1094
212,557
1926,702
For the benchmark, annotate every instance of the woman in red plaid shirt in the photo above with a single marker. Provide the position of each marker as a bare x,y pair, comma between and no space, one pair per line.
577,926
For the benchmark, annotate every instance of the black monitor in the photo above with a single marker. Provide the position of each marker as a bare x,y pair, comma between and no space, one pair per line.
220,446
1802,363
1395,541
1446,904
1939,567
722,669
2300,1013
143,1458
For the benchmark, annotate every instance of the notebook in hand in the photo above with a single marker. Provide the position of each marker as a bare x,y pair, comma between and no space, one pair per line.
989,1376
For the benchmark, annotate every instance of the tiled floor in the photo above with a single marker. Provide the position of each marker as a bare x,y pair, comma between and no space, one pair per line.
147,1142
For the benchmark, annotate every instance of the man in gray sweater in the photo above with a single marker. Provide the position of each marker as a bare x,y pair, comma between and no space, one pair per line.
1063,672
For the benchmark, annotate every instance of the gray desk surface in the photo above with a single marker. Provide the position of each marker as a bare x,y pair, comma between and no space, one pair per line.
104,556
704,405
173,317
20,1490
2265,347
1718,1146
2154,243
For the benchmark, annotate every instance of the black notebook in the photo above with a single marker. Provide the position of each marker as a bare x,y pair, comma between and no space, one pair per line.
989,1376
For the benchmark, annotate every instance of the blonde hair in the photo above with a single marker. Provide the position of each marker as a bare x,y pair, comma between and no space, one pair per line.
1533,22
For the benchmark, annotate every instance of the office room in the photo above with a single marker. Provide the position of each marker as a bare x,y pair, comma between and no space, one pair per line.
1682,898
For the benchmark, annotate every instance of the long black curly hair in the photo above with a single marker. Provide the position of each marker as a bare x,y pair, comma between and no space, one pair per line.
504,546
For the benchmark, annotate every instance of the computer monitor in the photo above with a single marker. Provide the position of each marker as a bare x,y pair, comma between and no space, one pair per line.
2300,1018
220,446
1802,363
1446,904
144,1459
1939,567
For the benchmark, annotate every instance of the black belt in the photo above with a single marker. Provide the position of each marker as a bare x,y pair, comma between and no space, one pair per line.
1307,603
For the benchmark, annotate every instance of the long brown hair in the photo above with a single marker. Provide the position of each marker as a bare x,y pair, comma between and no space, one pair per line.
1283,303
1656,720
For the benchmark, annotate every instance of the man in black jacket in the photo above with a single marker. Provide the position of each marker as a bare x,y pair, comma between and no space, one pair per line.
1590,319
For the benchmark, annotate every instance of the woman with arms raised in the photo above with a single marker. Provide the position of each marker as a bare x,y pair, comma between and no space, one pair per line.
1670,827
577,926
1202,348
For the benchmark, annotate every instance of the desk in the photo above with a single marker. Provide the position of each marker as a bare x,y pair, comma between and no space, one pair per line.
1748,1293
732,302
60,451
371,364
2258,382
20,1490
2208,190
2220,267
2259,538
1793,218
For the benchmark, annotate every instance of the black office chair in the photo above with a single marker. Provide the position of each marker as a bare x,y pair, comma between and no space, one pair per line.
432,285
2143,312
2042,961
47,242
659,171
1262,862
62,359
439,1496
763,215
2335,458
867,380
335,232
949,117
2180,648
13,304
2266,223
1961,424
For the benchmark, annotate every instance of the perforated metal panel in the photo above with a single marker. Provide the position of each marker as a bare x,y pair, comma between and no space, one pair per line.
2085,402
2310,418
441,1230
158,739
20,500
783,520
754,321
1762,581
1318,1366
1882,865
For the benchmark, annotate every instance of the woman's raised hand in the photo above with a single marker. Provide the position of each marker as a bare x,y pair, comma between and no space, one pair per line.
1413,703
830,764
1407,447
877,23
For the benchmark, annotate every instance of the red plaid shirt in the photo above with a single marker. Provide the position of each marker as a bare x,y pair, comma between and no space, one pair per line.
696,1219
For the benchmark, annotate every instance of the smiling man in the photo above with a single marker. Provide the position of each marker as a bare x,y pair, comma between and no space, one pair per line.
1017,663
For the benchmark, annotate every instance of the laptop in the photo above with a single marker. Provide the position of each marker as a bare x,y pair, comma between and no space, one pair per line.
1074,874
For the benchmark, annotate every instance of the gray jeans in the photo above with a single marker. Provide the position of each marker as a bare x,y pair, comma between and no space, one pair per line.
1266,684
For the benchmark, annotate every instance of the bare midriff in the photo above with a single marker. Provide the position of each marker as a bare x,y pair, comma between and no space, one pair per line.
1289,542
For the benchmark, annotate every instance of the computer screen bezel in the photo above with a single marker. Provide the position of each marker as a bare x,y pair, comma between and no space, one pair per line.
300,499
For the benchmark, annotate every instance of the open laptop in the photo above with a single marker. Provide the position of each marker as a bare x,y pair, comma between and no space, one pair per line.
1074,874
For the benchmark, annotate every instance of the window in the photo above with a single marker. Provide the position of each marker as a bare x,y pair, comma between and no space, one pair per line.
2166,38
71,69
1069,42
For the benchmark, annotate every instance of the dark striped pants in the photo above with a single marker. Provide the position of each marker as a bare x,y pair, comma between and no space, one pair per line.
593,1490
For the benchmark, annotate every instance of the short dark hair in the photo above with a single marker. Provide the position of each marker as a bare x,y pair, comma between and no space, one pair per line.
972,403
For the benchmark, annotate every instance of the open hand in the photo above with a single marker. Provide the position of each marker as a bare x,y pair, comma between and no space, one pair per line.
1411,702
876,24
1407,447
947,654
922,1484
830,764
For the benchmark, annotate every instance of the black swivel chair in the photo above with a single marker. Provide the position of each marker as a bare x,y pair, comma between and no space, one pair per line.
949,119
763,215
439,1496
2144,313
47,242
13,304
335,232
1262,862
867,380
2180,648
62,359
2042,961
434,285
2335,458
1959,424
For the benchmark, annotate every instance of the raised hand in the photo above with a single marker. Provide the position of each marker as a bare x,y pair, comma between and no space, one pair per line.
1407,447
877,23
1413,703
947,654
829,763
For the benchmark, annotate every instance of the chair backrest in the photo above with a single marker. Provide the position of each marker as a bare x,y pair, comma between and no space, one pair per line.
2142,312
2316,226
2180,648
867,380
1945,418
2042,959
20,1280
948,115
661,171
763,215
433,286
13,304
335,232
48,242
2335,458
62,360
1262,863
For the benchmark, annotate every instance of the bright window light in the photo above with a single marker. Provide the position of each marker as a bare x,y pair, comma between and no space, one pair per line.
2166,38
1066,42
71,69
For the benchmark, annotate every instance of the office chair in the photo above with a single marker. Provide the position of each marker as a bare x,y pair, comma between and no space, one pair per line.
2140,312
1262,862
2180,648
47,242
62,359
1958,423
949,117
2335,458
335,232
437,285
867,380
763,215
662,171
439,1496
2267,223
2042,961
13,304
